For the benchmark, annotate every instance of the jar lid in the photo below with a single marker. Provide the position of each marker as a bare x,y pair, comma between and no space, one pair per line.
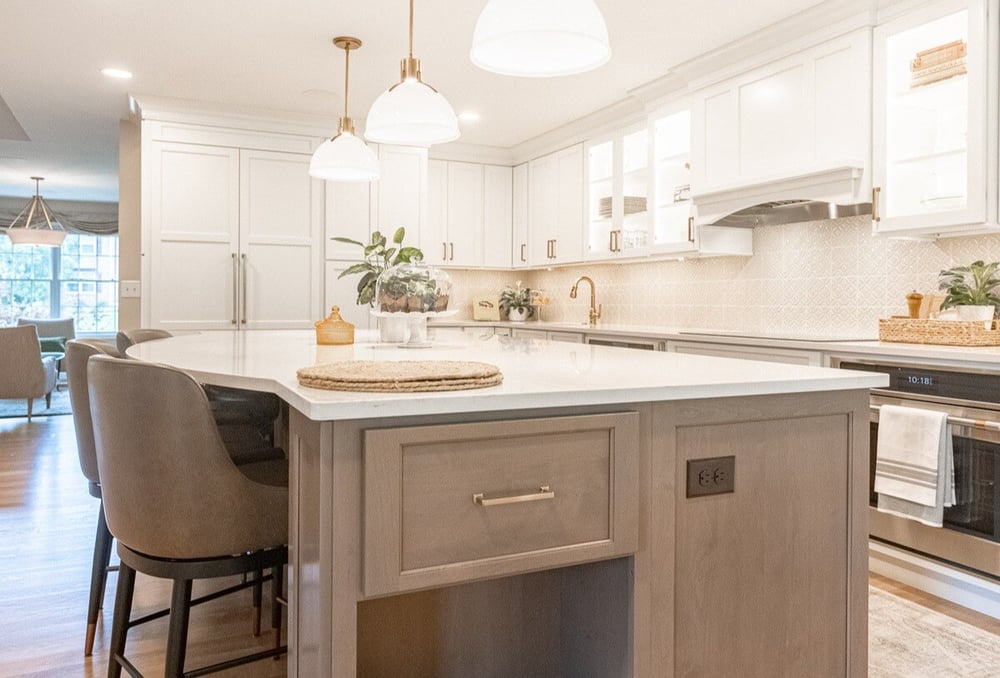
334,329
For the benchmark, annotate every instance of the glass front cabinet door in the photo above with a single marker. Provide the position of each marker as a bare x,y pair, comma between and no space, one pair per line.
618,180
930,138
673,212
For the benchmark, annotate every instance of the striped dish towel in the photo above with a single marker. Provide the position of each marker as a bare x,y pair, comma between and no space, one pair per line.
915,468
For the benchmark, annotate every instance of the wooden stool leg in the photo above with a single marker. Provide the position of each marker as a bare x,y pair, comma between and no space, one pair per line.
123,613
258,586
180,611
98,578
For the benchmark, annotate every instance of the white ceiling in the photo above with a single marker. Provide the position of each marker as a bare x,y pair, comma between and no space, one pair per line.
277,55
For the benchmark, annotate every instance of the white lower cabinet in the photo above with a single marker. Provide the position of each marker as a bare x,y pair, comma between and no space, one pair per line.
766,354
233,238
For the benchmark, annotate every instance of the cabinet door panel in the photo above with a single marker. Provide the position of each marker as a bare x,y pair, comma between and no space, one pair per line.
465,214
497,216
434,234
543,207
519,253
194,224
775,134
402,185
836,93
718,163
570,219
348,210
279,235
343,292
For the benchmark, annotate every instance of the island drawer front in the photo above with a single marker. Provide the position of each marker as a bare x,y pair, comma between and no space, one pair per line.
452,503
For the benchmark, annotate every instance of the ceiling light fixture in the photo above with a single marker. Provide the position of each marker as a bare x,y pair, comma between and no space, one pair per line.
468,116
411,112
119,73
37,227
535,39
344,157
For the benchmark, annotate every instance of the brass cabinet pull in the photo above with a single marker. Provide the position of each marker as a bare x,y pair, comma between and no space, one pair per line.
243,318
544,492
611,241
618,240
444,251
236,287
452,257
523,246
875,215
553,249
690,229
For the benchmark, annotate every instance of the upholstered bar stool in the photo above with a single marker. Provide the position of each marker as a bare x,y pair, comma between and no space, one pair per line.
245,418
175,501
78,352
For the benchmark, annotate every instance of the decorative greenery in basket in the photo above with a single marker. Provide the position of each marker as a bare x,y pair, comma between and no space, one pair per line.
972,285
517,299
378,257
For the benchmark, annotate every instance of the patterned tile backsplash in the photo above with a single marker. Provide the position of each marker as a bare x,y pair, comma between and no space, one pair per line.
825,278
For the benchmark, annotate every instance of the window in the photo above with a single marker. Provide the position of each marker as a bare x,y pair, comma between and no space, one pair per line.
78,280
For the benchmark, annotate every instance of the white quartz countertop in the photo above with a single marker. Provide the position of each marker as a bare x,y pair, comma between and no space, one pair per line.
979,357
536,373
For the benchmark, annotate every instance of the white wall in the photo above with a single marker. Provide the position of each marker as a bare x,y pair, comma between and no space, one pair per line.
825,277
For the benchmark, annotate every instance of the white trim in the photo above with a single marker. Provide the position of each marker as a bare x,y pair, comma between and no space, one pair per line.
936,578
478,153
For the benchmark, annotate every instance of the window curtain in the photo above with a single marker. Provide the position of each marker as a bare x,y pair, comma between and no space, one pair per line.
76,216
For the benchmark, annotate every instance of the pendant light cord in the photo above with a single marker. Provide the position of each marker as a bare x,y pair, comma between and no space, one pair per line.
411,29
347,74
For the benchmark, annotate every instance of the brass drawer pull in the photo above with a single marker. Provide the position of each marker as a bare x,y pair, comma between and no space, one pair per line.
876,217
543,493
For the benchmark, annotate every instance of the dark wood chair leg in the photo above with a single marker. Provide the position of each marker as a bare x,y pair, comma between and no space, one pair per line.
123,613
180,611
258,586
98,578
277,575
48,400
31,402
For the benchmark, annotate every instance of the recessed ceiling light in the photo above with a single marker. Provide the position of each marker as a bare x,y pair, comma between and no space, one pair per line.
468,116
119,73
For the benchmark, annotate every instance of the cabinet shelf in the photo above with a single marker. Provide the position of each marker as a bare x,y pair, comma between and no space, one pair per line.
937,93
929,157
600,179
636,172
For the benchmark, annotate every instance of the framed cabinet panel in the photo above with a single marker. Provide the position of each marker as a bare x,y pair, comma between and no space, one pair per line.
519,217
497,216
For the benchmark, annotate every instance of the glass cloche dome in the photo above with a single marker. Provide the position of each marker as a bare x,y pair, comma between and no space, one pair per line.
412,287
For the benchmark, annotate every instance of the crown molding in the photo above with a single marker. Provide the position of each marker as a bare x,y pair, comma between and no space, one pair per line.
460,152
607,119
163,109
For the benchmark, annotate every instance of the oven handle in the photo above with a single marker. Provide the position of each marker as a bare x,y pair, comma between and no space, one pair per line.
961,421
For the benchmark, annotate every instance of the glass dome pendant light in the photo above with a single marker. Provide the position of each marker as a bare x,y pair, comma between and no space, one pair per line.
540,38
345,157
37,228
411,112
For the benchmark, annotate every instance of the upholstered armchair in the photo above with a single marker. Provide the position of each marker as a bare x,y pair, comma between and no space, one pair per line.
53,334
24,373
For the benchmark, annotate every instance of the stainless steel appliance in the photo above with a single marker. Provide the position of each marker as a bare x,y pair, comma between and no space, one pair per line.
971,533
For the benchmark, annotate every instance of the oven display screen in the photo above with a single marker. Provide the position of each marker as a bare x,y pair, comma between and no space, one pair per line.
920,380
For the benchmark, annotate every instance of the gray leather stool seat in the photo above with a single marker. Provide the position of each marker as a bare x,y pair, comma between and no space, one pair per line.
175,501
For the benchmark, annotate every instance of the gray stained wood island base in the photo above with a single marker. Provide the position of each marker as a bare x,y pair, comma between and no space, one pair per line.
397,571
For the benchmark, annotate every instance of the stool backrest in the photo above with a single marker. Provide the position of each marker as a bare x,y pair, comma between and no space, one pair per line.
126,338
170,489
78,352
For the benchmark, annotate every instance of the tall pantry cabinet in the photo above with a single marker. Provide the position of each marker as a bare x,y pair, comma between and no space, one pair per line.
232,228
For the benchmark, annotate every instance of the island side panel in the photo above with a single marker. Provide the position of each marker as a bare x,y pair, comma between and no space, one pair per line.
771,579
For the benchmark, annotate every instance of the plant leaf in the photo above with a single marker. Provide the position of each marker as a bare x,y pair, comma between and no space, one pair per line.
348,241
398,236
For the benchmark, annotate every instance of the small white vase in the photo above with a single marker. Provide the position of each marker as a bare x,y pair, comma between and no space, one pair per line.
517,315
393,330
973,313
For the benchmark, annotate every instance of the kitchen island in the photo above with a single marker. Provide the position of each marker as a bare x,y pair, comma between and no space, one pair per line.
603,512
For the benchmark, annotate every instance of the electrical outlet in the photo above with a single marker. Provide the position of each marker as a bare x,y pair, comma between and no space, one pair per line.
130,288
711,476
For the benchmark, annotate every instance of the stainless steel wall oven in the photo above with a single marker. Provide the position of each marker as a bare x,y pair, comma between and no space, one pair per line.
971,533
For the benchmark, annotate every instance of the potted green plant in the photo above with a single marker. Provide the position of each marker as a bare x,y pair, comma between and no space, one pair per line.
378,256
972,290
516,303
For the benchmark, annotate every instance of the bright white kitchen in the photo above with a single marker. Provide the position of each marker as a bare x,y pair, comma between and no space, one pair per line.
781,181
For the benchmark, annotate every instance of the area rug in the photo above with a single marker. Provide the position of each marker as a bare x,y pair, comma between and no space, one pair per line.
906,640
19,407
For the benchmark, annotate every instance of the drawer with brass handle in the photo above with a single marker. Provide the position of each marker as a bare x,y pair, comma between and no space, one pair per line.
453,503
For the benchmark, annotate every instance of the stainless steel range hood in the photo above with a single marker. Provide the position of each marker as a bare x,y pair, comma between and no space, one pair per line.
829,192
791,212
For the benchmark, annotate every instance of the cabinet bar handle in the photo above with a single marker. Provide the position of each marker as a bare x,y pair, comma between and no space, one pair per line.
553,249
523,246
544,492
690,229
452,257
875,215
236,287
611,241
444,251
618,240
243,318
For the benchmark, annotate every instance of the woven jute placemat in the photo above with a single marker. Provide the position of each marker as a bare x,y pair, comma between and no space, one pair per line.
404,376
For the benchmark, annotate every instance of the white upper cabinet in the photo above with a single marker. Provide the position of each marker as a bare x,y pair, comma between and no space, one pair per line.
498,196
618,182
932,144
348,215
672,209
556,207
519,218
400,192
796,128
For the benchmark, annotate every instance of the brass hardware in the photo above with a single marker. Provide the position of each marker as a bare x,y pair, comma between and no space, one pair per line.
618,240
595,311
553,249
523,246
346,125
444,251
452,257
875,215
243,317
544,492
690,229
611,241
236,287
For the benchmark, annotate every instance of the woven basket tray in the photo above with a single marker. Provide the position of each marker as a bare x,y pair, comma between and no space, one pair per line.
947,332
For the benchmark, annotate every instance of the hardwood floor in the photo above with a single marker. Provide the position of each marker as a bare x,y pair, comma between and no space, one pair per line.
47,526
